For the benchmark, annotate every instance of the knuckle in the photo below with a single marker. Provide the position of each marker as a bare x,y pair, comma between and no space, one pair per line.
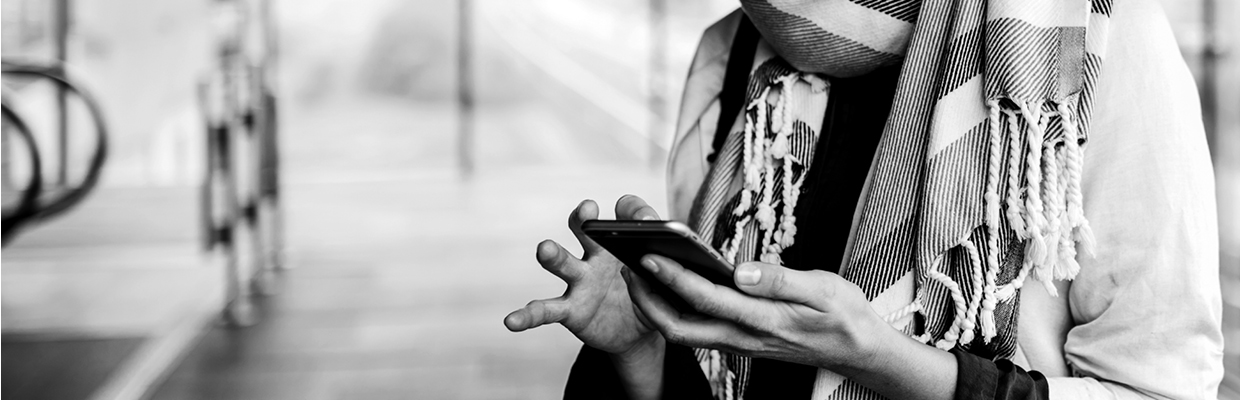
535,312
743,348
672,281
826,283
760,322
786,334
674,333
706,306
762,348
703,302
779,282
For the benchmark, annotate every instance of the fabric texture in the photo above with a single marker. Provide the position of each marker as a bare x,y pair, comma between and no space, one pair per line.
1141,319
990,114
982,379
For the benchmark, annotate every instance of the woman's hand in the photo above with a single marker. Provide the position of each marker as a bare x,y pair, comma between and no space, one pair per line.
806,317
596,307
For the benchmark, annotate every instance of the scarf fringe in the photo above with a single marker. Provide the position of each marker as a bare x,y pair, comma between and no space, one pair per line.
1043,209
718,376
766,147
1046,213
991,208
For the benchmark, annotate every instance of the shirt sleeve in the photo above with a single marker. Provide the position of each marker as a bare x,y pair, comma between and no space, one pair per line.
982,379
699,109
1146,308
594,377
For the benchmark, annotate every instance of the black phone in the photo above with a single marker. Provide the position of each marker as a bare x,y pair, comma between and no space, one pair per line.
629,241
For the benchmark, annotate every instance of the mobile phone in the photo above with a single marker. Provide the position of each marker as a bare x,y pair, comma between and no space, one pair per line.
629,241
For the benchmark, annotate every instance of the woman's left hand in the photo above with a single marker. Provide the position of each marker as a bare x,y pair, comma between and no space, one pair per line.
806,317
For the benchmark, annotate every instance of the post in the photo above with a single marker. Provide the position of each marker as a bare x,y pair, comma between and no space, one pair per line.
656,101
60,39
1209,75
464,90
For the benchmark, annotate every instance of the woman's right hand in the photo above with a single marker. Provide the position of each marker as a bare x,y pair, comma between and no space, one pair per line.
596,307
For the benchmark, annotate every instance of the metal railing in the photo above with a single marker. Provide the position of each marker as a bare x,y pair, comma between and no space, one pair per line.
40,201
241,190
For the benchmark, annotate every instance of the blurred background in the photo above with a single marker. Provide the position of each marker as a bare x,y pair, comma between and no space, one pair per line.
323,199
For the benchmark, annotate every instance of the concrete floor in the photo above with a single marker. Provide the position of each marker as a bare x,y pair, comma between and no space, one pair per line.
399,289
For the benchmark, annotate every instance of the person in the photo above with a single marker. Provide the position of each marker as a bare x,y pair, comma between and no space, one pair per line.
924,200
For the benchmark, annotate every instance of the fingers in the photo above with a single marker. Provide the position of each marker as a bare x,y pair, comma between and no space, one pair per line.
707,297
811,288
537,313
685,329
587,210
558,261
633,207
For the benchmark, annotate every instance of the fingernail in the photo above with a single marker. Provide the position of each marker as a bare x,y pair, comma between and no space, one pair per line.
649,218
547,248
624,273
650,264
513,320
748,275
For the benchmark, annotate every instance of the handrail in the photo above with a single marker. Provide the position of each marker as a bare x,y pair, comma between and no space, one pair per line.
57,75
28,206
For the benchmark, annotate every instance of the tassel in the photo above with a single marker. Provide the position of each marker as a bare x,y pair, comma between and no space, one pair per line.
969,323
735,243
950,338
1074,153
787,225
1015,208
1065,263
1084,235
991,202
1050,190
777,117
779,148
897,315
787,82
1067,268
1035,249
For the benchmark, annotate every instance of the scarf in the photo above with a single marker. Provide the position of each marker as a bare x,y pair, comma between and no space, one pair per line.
975,186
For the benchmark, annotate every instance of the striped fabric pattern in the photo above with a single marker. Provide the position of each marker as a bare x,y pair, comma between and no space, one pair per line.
718,215
976,183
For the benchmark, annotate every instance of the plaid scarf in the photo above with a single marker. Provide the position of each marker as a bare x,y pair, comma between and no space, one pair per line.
976,182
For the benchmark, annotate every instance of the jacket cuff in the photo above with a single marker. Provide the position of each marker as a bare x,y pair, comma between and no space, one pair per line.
978,378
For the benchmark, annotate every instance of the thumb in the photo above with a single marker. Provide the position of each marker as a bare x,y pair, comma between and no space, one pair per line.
771,281
635,208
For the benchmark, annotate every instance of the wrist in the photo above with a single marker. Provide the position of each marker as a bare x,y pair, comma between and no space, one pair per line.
897,366
645,353
640,367
869,340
